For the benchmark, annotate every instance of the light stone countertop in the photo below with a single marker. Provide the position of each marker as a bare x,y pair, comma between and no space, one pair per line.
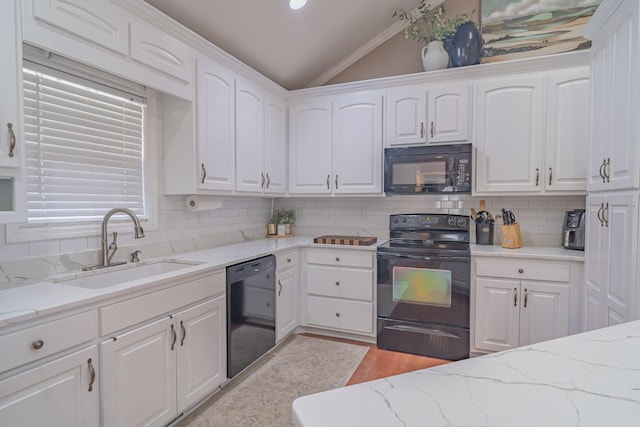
25,302
589,379
551,253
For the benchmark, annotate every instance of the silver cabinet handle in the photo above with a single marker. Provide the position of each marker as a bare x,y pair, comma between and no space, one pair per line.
521,270
174,337
600,215
279,287
433,129
261,179
204,173
537,176
601,170
607,169
336,181
526,296
12,139
605,214
337,314
337,283
268,180
92,373
328,181
337,259
515,297
550,175
184,333
422,130
37,344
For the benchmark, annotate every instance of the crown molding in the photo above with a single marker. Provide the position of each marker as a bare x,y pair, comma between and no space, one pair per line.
363,51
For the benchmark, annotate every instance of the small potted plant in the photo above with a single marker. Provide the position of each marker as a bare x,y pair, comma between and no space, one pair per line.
432,27
285,218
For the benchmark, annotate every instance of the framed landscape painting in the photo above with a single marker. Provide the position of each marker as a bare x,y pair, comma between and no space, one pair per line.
514,29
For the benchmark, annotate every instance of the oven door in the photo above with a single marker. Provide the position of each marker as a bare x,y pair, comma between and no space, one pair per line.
428,289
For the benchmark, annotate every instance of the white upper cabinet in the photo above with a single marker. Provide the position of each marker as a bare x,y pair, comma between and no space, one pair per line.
12,184
275,145
406,113
109,37
615,66
310,147
215,126
160,51
357,143
448,114
260,141
509,132
568,109
249,137
417,115
336,145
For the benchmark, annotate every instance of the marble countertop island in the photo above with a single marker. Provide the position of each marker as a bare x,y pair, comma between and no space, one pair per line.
588,379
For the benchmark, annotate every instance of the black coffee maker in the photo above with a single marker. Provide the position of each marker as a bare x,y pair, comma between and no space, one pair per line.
573,229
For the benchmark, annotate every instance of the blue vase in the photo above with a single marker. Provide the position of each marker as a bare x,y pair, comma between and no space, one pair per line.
465,45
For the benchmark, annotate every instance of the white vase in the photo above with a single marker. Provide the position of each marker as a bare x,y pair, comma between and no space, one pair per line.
282,230
434,57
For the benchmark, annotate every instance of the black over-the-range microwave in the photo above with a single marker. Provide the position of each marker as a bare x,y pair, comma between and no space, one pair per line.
428,169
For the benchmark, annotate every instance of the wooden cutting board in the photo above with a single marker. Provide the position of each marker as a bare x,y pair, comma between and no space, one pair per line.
346,240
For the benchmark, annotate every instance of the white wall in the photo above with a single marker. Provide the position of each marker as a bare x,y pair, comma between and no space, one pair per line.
540,218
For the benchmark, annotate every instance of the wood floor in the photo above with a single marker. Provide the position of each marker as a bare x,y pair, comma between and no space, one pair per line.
379,363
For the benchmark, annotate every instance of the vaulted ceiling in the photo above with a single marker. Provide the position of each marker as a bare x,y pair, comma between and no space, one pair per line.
294,48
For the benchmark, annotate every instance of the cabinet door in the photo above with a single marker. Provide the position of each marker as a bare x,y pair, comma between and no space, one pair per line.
249,138
615,68
357,143
286,319
568,107
596,265
101,23
448,114
497,314
216,132
275,146
406,115
139,376
202,352
61,393
509,135
11,140
544,312
610,267
310,145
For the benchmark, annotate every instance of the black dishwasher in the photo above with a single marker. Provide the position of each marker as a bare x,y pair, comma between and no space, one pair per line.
251,312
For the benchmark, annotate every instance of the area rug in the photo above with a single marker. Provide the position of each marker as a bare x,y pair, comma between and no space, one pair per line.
302,365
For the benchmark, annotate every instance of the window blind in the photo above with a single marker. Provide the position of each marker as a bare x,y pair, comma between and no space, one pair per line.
84,150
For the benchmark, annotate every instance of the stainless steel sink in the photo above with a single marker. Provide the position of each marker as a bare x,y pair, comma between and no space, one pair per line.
104,278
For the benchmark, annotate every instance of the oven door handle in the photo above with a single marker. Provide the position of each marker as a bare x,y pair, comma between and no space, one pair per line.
424,258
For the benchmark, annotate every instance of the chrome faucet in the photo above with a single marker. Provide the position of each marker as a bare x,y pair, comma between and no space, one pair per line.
109,251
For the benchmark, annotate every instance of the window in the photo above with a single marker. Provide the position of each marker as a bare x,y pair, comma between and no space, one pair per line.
85,151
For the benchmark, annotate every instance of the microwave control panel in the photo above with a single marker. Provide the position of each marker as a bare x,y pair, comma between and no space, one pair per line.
463,173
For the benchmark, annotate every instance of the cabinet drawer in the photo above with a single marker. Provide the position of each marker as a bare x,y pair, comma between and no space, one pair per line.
340,282
19,347
135,310
287,259
524,269
340,257
345,315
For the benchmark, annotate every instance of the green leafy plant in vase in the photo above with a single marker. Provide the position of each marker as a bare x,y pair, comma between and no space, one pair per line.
285,218
435,29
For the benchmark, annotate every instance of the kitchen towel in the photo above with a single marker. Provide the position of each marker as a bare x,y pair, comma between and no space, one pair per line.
203,203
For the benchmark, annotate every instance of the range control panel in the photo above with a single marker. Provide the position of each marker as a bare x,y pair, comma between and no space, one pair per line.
428,222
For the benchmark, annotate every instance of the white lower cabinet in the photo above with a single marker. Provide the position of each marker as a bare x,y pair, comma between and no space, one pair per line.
286,294
340,289
521,302
155,371
59,393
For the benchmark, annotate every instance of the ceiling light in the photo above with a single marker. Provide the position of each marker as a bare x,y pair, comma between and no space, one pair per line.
297,4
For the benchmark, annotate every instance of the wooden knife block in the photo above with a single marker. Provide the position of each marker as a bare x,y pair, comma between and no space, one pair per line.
511,237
